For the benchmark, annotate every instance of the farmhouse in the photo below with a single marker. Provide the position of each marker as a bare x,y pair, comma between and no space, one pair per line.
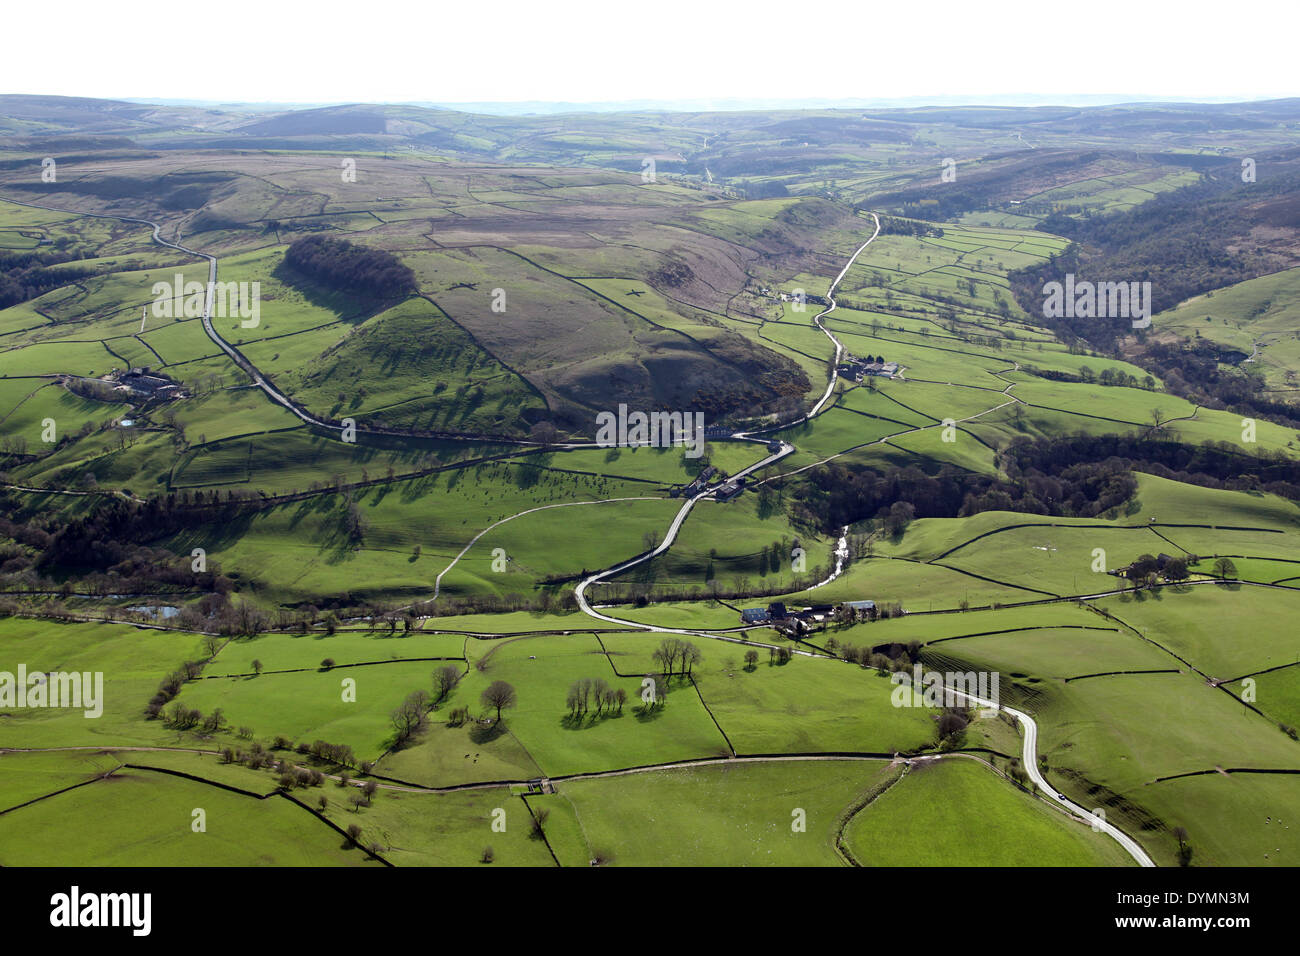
859,610
700,482
884,369
146,384
817,614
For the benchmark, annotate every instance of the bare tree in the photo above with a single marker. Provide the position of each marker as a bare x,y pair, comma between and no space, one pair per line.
499,694
600,694
445,680
410,716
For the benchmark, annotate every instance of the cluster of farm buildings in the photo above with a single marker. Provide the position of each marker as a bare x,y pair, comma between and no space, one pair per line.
144,383
802,620
857,369
724,490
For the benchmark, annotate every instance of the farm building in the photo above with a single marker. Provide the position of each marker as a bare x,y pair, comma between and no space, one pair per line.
147,384
753,615
857,369
700,482
730,489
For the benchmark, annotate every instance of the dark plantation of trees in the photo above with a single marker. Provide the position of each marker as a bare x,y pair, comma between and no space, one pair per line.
893,226
837,495
26,275
117,528
1211,465
348,267
1078,476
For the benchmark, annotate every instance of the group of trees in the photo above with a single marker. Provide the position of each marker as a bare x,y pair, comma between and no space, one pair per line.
290,776
352,268
904,656
771,559
595,692
410,716
1109,376
893,226
445,679
950,727
1147,569
673,655
167,690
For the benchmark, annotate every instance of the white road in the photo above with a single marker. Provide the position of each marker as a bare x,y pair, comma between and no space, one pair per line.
1029,758
1030,752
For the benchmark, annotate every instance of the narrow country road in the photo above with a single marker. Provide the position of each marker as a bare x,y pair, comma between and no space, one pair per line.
1029,758
784,449
1030,753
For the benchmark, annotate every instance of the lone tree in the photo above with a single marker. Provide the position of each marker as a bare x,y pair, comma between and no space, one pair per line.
540,816
499,694
1224,568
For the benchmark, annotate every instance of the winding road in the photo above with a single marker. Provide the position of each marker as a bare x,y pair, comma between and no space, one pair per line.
1029,758
1030,728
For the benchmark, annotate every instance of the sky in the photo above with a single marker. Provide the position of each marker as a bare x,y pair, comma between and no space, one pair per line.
451,51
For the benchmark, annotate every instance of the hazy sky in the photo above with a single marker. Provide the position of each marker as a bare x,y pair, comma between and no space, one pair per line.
577,50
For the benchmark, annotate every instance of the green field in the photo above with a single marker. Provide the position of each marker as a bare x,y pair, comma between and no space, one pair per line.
958,813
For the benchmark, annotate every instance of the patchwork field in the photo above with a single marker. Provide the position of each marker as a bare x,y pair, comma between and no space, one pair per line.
362,584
